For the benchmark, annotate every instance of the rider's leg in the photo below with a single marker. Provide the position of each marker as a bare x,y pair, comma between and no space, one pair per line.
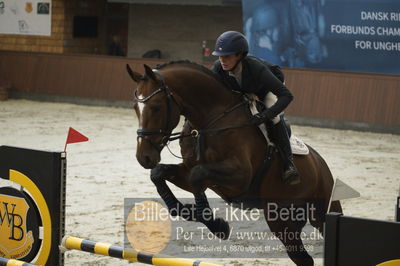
280,137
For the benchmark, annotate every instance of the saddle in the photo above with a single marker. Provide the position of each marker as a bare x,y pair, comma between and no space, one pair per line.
298,146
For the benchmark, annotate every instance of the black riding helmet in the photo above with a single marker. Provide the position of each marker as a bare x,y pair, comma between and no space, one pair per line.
231,42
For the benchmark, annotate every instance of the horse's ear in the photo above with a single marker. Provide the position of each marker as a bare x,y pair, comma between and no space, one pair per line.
134,75
149,72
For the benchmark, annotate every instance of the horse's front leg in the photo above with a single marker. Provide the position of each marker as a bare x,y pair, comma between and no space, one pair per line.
201,176
175,173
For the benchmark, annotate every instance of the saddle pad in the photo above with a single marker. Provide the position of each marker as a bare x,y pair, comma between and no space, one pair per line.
298,146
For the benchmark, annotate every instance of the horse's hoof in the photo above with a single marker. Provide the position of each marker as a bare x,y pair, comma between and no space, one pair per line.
220,228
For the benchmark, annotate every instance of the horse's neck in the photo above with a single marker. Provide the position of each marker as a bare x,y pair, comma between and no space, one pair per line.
202,96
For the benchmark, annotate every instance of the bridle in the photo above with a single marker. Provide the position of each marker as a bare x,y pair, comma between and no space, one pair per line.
166,132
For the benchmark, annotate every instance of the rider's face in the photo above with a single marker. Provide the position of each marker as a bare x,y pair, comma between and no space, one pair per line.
229,61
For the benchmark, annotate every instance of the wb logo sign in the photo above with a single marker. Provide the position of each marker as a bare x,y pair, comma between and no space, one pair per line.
14,221
15,241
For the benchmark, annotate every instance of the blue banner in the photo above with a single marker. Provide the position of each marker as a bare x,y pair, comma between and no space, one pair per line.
344,35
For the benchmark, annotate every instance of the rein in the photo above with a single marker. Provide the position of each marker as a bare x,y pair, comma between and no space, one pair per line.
199,133
196,133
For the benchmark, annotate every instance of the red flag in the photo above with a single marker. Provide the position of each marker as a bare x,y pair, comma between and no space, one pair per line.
74,137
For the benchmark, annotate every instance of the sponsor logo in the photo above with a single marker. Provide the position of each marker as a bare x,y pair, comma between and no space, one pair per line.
15,240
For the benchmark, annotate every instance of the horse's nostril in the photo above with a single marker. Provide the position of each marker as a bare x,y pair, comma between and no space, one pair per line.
147,160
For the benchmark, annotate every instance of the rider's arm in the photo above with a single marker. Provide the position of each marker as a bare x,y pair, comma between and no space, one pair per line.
268,82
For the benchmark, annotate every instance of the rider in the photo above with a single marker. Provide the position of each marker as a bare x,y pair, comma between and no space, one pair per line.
249,74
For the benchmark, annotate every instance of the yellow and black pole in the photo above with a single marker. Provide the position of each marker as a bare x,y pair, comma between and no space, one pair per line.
11,262
105,249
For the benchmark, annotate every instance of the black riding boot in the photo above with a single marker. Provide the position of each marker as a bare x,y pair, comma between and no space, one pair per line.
281,139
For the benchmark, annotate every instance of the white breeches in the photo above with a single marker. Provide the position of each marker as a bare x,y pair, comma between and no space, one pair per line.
270,99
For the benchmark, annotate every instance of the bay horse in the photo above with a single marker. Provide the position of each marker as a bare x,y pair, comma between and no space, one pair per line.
221,151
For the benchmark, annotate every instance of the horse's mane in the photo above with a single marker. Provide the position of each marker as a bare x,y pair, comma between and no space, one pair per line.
193,65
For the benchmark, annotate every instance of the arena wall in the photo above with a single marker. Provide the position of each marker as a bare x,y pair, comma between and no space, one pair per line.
178,31
334,99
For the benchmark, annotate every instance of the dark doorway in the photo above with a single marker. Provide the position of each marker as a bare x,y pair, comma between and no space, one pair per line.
117,15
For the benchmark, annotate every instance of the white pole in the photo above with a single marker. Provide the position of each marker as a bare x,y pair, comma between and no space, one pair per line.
330,198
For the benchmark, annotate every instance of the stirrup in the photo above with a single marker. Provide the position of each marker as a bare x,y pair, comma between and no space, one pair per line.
291,176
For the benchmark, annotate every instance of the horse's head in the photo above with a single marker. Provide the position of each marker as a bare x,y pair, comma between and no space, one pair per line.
157,112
